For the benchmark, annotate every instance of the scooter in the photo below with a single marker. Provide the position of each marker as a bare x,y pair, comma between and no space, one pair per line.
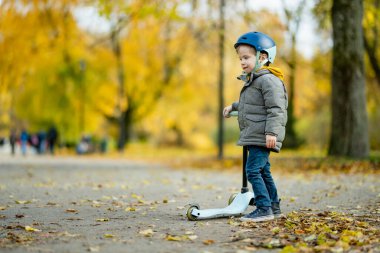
237,203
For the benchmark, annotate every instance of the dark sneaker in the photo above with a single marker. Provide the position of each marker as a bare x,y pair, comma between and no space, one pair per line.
276,209
260,214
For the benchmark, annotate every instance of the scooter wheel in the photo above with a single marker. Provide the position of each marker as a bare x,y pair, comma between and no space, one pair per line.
190,210
232,197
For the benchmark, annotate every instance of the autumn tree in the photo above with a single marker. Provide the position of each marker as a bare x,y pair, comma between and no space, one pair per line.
349,129
221,79
46,86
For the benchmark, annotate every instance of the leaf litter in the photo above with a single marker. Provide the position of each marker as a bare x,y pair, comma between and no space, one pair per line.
305,231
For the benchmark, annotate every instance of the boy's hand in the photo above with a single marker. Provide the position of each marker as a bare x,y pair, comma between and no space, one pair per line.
271,141
226,111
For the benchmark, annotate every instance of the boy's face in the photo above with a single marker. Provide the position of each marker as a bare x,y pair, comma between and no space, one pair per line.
247,56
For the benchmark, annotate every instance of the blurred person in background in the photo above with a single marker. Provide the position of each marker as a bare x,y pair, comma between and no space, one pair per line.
52,136
13,140
24,141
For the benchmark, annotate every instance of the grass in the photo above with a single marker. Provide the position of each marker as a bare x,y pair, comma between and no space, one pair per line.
289,160
302,160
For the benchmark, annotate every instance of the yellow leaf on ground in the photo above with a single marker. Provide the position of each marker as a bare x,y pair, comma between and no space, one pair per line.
208,242
148,232
28,228
71,210
130,209
23,201
135,196
103,219
3,208
109,236
275,230
173,238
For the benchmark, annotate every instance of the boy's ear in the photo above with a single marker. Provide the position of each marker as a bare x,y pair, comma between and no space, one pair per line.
263,55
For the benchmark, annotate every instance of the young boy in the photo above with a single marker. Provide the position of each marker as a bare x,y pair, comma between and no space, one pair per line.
262,118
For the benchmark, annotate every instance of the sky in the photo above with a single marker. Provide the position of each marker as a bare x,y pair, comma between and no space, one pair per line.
89,19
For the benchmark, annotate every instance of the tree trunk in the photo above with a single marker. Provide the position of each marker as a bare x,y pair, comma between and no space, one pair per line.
125,123
349,135
123,113
221,80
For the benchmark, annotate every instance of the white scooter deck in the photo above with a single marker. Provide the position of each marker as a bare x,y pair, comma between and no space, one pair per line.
237,207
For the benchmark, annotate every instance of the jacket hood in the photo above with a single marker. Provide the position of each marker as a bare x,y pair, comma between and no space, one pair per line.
275,71
247,77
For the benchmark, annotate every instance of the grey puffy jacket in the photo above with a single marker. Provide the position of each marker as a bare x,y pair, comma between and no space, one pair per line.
262,110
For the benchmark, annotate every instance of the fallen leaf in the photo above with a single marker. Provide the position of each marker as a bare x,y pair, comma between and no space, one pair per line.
192,237
71,211
109,236
23,201
3,208
135,196
148,232
74,219
103,219
28,228
173,238
208,242
130,209
275,230
232,222
310,238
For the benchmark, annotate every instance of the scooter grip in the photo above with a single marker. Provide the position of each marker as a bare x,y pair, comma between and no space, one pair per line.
233,114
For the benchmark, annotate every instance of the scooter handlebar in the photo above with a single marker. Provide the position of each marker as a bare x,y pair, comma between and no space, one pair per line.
233,114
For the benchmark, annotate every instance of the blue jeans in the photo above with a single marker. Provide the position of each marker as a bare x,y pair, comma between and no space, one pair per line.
258,174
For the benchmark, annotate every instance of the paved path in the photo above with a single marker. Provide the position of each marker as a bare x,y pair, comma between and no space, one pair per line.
105,205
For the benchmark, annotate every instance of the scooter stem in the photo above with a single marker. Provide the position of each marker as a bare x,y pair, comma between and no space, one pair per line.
245,183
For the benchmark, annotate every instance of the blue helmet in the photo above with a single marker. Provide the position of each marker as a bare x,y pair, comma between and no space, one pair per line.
261,42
